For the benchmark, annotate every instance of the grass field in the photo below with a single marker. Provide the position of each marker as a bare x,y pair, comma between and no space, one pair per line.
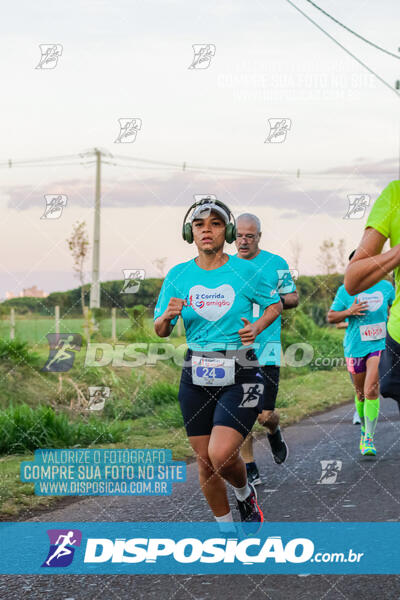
34,330
299,396
143,401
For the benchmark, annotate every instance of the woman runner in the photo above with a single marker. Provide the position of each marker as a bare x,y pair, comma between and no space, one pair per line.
221,385
364,341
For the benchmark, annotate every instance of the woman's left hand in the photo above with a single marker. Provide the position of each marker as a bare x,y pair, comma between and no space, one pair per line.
248,333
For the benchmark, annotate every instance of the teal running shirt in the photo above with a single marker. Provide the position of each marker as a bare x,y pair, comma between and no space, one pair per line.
367,332
276,272
217,300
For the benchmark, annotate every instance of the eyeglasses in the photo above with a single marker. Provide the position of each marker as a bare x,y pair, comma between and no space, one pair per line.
247,236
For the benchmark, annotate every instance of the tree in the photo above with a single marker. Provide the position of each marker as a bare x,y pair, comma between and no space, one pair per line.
160,264
341,254
326,257
296,249
78,245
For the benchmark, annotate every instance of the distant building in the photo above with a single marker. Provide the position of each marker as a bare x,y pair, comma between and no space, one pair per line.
32,292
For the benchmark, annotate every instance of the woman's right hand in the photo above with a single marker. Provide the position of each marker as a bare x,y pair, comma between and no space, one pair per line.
358,309
174,308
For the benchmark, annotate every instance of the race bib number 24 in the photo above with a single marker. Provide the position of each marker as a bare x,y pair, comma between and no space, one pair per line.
213,371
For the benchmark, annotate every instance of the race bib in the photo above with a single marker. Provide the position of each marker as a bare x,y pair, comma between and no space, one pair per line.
213,371
377,331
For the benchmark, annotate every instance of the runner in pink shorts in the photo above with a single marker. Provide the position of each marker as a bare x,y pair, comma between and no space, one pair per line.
359,364
366,314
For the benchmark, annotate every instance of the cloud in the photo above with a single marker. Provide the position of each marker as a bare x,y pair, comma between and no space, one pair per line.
324,192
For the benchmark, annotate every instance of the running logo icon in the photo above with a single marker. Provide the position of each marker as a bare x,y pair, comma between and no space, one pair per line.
62,351
128,129
98,396
330,471
50,53
252,393
132,277
358,204
203,54
285,280
54,206
278,129
62,547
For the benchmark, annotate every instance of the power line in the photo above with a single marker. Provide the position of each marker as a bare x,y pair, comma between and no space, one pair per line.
47,165
344,48
146,160
11,163
173,167
157,165
352,31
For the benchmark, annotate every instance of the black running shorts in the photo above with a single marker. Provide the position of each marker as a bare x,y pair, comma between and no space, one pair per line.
236,405
271,386
389,370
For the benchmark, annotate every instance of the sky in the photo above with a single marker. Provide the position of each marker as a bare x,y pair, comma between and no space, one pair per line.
131,60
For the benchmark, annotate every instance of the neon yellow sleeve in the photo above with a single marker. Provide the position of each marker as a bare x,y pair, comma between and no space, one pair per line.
380,216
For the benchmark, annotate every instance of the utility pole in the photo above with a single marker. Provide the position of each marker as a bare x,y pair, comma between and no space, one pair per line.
95,285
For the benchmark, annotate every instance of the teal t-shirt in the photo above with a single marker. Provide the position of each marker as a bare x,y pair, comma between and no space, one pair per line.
217,300
276,272
367,332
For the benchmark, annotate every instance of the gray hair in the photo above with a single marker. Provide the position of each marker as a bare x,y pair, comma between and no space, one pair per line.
251,217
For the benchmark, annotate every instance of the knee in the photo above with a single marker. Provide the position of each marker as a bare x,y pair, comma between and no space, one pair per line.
221,461
268,418
372,390
205,467
360,393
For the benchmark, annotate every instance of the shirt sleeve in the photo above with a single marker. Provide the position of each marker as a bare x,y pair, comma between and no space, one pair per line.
380,216
286,285
264,294
166,293
392,295
339,303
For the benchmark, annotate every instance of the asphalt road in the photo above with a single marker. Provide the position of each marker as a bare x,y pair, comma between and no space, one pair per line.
366,489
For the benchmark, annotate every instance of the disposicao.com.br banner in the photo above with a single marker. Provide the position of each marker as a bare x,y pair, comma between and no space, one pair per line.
187,548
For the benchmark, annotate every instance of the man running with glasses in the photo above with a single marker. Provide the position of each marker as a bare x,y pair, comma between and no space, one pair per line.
268,344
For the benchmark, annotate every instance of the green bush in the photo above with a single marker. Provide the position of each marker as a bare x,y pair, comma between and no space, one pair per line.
300,328
25,429
17,353
138,332
147,402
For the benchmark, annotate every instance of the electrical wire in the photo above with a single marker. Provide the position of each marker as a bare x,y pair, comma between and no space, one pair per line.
344,48
352,31
173,167
73,164
11,163
303,174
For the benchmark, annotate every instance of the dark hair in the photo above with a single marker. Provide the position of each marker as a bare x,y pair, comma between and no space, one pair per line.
352,254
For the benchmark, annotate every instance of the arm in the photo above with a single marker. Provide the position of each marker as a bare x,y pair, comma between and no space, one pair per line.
290,300
163,325
269,315
250,331
368,266
355,310
336,316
